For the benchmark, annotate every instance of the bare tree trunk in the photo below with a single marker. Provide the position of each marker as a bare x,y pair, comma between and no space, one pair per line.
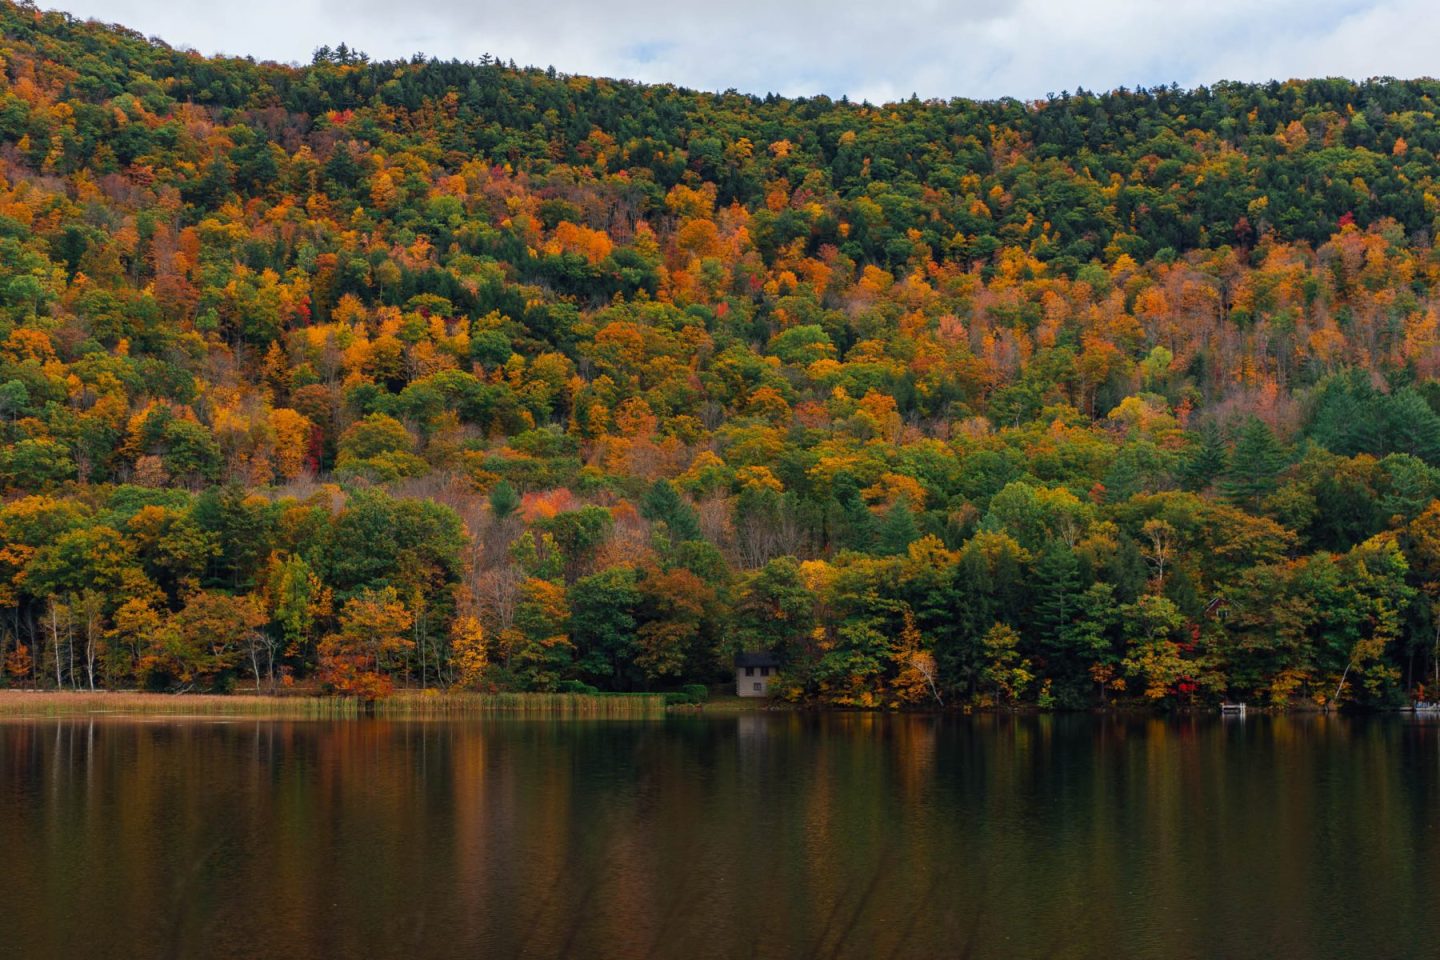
55,643
70,647
257,643
91,629
1341,685
934,690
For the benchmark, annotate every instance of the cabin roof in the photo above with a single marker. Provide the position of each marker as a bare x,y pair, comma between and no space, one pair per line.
759,658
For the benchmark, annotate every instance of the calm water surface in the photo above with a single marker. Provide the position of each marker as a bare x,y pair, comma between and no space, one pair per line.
751,836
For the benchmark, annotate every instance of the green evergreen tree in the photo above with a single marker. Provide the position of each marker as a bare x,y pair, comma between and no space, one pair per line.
1206,459
663,503
899,529
1056,581
1126,571
851,524
503,500
1255,466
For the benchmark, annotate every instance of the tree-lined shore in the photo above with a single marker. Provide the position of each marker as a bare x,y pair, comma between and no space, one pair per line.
474,377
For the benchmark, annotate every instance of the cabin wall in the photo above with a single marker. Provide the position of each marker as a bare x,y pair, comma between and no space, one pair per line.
754,685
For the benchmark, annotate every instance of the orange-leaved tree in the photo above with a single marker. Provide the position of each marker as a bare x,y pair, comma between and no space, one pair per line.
371,640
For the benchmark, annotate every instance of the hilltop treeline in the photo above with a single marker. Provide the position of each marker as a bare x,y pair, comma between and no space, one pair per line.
439,373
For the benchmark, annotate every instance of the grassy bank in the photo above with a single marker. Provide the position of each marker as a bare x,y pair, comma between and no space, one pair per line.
16,703
727,704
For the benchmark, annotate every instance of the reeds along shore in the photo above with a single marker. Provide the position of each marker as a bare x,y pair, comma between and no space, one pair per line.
15,704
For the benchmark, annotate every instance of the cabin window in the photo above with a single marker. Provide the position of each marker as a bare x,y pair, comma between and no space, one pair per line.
764,671
749,671
759,687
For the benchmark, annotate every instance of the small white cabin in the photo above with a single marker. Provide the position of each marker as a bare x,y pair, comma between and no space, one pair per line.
753,673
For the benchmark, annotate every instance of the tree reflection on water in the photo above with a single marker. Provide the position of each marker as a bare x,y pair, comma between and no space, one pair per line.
762,835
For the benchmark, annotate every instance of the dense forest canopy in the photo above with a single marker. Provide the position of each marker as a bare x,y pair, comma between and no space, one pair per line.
462,374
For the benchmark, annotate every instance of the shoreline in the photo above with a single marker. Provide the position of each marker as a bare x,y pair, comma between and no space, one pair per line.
44,704
438,704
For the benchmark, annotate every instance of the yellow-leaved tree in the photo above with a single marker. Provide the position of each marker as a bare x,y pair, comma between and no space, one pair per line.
467,652
914,667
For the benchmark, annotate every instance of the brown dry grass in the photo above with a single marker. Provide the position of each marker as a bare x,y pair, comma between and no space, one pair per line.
20,703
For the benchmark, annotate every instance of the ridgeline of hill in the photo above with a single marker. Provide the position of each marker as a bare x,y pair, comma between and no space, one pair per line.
438,373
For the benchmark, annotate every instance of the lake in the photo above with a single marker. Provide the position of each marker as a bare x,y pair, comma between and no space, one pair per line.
759,835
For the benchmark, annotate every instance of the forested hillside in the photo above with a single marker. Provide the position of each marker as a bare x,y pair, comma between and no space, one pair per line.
449,374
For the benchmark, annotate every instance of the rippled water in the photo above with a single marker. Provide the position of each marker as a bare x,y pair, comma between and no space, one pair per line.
754,836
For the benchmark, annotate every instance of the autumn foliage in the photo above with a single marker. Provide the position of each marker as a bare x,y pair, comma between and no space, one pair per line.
357,375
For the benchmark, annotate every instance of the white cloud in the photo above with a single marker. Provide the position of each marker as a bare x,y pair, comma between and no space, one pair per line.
869,50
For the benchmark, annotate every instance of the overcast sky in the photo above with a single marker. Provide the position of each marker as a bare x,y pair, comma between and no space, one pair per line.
869,49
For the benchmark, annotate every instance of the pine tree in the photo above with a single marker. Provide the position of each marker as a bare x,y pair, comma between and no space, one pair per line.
1255,465
1127,571
1057,584
663,503
1206,459
503,500
852,525
898,530
342,170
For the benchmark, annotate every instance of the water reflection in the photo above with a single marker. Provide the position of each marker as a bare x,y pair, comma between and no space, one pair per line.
760,835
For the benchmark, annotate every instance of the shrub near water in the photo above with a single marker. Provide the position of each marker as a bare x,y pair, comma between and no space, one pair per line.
690,694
